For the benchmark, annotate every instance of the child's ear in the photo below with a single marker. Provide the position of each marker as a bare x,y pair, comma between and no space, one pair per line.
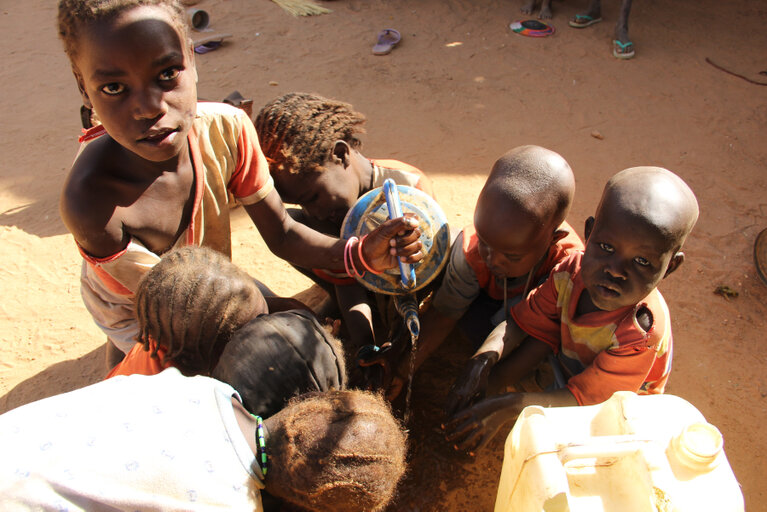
81,88
676,260
341,152
559,234
588,228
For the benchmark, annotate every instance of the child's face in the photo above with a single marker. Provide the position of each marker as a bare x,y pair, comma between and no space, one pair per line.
511,249
625,259
138,74
325,195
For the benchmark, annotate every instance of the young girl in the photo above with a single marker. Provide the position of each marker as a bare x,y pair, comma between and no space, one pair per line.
169,442
187,306
313,150
159,170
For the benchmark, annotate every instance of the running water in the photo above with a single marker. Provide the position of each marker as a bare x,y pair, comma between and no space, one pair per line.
407,306
413,349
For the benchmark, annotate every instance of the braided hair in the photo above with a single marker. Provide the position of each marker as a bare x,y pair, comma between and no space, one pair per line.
339,450
76,14
190,303
298,131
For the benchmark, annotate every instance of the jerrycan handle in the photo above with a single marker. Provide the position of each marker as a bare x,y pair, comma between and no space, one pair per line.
407,272
604,446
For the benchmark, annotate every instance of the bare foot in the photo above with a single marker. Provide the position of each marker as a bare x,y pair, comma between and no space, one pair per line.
528,7
545,13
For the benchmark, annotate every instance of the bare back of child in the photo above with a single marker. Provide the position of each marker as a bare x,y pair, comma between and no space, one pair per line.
600,311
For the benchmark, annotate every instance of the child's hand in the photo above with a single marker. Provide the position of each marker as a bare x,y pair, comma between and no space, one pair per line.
395,238
472,428
472,383
332,326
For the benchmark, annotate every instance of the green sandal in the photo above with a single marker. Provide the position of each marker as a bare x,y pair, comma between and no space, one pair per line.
623,50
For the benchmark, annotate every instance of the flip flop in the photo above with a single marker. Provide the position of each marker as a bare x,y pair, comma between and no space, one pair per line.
623,50
387,40
760,255
208,43
583,20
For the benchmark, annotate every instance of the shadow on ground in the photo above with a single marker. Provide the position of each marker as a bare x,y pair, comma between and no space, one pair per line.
58,378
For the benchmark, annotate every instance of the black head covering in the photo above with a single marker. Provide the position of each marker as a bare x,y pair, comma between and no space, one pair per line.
275,357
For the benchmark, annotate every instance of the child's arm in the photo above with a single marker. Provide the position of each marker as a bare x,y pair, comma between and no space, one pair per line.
357,314
472,428
90,217
473,381
302,246
434,329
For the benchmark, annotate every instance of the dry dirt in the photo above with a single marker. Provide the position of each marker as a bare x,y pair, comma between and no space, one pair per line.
456,93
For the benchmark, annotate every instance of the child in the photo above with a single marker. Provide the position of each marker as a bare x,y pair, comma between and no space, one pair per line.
169,442
314,156
187,307
157,172
519,234
599,311
280,355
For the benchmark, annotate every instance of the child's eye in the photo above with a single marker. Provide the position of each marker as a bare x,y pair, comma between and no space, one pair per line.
113,89
606,247
642,262
169,74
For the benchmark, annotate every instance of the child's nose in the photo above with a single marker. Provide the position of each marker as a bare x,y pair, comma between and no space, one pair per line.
149,104
615,270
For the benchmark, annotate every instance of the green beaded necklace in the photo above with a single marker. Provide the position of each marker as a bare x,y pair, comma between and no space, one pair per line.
261,442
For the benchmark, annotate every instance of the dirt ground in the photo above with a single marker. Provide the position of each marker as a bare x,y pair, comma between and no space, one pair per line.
456,93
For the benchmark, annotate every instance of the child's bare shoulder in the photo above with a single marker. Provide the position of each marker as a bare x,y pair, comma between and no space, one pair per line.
90,197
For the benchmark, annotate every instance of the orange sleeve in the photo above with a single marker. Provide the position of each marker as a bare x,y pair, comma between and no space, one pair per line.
620,369
539,314
250,181
139,362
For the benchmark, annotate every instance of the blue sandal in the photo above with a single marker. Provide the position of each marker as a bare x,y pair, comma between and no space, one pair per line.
623,50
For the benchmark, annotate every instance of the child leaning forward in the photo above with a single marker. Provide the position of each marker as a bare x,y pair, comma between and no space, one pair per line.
599,311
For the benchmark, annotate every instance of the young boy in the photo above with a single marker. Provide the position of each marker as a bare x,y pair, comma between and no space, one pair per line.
599,311
169,442
158,171
313,150
519,234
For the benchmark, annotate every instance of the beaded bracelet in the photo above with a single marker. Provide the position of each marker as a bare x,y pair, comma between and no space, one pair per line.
364,263
261,442
351,270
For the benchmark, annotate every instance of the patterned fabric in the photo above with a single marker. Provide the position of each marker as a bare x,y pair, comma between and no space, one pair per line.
228,162
165,442
604,351
467,272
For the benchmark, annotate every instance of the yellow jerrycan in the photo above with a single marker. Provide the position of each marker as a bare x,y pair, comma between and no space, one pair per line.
649,453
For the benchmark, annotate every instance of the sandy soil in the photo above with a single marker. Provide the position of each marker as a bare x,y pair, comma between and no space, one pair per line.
458,91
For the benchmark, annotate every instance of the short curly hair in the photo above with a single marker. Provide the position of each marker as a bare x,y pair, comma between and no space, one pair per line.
77,14
298,131
339,450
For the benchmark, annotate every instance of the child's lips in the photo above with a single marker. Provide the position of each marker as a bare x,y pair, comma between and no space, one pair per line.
158,136
607,290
